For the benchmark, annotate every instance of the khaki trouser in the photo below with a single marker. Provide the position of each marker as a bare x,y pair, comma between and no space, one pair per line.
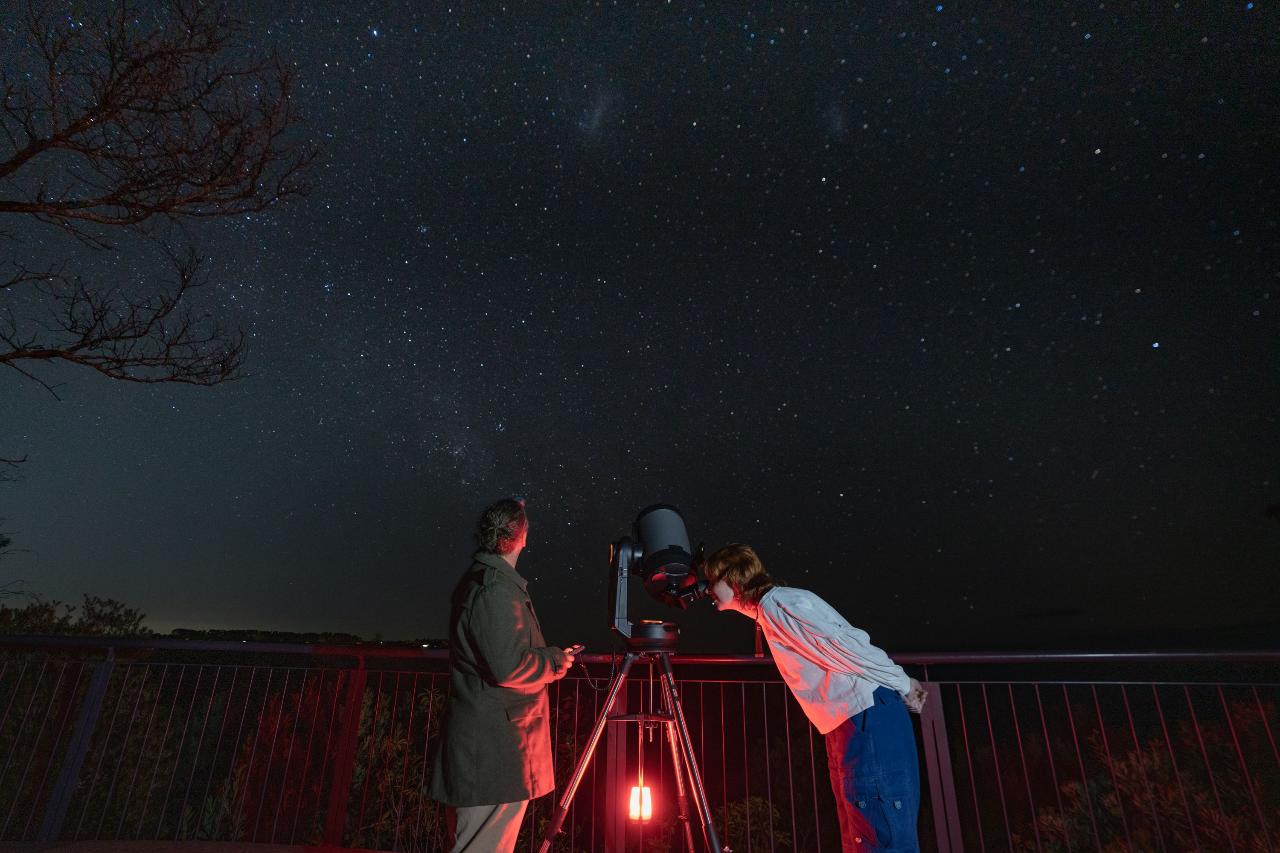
488,829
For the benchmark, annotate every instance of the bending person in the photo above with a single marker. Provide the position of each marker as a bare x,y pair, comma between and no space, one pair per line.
854,694
495,753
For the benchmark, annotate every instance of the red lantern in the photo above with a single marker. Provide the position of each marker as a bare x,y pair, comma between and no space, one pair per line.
641,803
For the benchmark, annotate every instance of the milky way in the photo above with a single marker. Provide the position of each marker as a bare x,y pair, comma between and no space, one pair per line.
964,315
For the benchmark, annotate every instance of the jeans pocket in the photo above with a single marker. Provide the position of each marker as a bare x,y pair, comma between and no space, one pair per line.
871,826
877,812
895,810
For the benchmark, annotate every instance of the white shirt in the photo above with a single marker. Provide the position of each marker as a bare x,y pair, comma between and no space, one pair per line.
830,666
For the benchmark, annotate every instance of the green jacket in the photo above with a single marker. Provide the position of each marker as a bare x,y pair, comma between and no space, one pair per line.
496,740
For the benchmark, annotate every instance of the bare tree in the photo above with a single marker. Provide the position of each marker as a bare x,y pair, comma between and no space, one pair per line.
117,125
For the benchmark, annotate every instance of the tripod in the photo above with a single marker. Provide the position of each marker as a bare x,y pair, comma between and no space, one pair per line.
682,757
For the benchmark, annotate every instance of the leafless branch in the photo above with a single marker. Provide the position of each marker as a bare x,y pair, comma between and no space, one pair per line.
121,124
155,338
110,127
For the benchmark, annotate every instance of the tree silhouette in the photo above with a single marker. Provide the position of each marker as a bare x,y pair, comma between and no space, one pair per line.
95,616
112,126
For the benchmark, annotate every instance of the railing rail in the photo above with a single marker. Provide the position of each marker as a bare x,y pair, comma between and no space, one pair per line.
400,650
125,739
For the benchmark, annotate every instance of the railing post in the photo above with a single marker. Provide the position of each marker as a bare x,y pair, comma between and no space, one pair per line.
615,828
56,810
344,762
942,783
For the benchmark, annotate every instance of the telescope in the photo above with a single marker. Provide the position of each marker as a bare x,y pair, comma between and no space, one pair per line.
661,557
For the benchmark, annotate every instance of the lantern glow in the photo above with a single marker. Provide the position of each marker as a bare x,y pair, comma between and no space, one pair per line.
641,803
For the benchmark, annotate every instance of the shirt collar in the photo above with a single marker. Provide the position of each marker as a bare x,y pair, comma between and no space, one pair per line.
496,561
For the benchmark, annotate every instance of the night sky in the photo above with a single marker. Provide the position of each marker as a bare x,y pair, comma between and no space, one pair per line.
966,316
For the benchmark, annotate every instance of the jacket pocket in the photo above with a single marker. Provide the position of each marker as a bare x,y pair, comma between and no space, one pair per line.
526,711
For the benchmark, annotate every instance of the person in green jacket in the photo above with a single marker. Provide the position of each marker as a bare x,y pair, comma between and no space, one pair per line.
495,751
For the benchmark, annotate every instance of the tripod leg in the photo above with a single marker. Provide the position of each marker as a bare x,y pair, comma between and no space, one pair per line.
557,817
682,801
690,761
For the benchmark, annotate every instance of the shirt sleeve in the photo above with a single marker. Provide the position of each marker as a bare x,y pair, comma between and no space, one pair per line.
833,644
500,631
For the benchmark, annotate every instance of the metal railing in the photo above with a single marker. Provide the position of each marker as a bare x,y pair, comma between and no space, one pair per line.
1138,751
138,739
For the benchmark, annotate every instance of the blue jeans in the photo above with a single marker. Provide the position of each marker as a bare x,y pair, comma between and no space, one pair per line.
875,776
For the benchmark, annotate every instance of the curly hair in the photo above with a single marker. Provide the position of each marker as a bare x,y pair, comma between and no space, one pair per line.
739,567
501,526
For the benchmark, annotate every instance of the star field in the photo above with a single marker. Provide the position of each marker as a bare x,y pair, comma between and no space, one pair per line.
964,315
